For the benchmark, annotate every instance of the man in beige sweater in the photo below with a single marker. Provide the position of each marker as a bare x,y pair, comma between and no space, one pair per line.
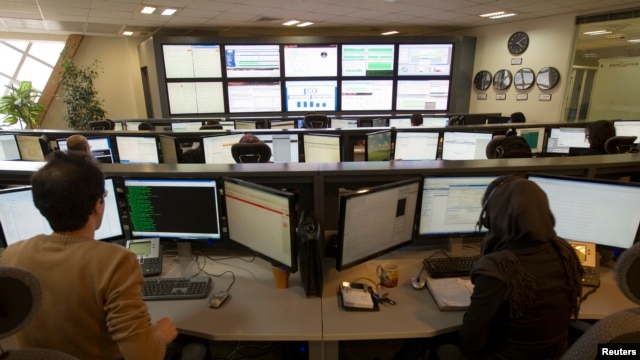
92,291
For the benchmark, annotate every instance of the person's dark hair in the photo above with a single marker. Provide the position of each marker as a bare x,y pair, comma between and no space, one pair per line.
416,119
598,132
517,117
66,188
145,126
249,139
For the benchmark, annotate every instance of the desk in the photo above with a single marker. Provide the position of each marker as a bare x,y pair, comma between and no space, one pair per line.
416,313
256,310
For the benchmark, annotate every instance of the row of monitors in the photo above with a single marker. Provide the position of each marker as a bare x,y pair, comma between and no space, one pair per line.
384,145
372,221
251,77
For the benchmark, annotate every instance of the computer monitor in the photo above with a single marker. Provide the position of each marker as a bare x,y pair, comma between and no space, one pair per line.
465,145
311,95
137,149
262,219
284,147
534,136
319,148
170,149
360,95
191,61
434,122
425,59
400,122
343,123
100,148
191,97
498,119
378,146
310,60
603,212
416,145
372,122
250,61
32,147
186,126
628,128
9,147
422,95
451,206
562,138
375,221
20,219
217,149
254,96
174,208
367,60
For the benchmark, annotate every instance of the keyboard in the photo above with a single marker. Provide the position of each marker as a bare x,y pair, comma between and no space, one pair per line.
176,288
449,266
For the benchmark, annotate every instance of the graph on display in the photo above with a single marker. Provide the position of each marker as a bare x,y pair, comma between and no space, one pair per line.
313,95
252,61
422,95
424,59
367,60
191,61
367,94
195,97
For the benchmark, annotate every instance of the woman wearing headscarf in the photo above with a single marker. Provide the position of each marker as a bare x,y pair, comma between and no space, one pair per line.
527,280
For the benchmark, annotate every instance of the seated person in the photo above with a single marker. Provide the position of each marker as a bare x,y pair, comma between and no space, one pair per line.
416,119
515,118
527,280
249,138
597,133
92,305
78,143
145,126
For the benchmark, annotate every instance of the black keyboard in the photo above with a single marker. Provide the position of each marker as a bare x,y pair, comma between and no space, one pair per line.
176,288
449,266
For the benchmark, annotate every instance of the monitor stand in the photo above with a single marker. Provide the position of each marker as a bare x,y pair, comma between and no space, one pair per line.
184,251
456,248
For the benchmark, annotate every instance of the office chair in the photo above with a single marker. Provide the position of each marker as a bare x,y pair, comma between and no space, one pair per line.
316,121
619,144
622,326
251,153
211,127
20,299
101,125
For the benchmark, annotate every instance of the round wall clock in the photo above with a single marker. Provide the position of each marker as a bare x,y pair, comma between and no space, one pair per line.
518,42
502,79
547,78
482,80
524,78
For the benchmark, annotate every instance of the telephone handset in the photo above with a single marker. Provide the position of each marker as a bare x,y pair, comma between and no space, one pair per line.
589,260
149,255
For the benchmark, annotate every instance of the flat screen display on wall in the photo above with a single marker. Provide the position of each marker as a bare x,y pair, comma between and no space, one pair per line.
195,97
424,59
367,94
310,60
422,95
311,95
254,96
367,60
251,61
191,61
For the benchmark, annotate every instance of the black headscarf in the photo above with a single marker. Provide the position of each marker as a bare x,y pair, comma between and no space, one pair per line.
517,214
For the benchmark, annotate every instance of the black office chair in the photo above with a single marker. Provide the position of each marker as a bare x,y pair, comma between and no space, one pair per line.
20,299
619,144
508,147
211,127
622,326
101,125
316,121
251,153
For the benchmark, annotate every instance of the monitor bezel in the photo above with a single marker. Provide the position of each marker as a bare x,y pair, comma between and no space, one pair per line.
391,141
292,200
340,264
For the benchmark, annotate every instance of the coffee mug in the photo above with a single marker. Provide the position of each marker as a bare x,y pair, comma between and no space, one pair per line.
388,274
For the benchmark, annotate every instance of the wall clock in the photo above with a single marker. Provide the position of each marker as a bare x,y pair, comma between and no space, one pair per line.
518,42
524,78
482,80
547,78
502,79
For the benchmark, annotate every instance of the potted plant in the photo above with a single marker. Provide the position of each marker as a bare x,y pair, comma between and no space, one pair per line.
79,94
20,105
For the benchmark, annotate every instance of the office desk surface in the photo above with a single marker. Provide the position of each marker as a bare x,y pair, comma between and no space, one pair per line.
256,310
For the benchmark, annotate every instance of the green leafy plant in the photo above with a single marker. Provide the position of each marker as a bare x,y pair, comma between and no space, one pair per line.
21,106
79,94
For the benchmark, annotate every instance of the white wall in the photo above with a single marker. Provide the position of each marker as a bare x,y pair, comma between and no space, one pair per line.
551,44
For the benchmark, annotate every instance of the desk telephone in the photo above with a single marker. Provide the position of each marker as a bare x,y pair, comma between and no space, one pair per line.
589,260
149,255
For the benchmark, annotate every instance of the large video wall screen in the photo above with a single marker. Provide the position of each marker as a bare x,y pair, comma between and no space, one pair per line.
206,78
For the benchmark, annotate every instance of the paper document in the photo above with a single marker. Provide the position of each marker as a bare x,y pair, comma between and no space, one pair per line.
451,293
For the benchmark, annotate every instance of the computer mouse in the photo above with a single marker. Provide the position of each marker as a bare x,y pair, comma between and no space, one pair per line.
417,282
218,298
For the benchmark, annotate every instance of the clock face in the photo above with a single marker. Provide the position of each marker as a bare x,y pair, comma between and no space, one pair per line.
547,78
502,79
524,78
518,42
482,80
